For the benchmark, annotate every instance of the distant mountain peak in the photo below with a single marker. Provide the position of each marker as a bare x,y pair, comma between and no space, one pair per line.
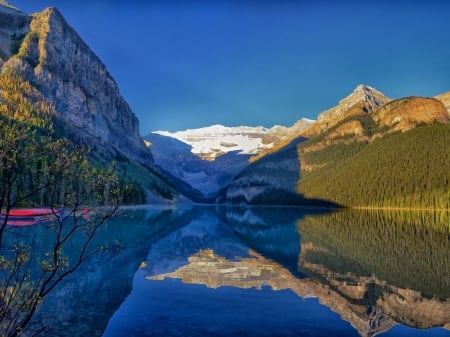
364,88
368,97
364,93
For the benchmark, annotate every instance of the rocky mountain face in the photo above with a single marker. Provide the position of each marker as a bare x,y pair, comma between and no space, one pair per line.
370,97
363,99
47,57
47,52
280,136
404,114
279,133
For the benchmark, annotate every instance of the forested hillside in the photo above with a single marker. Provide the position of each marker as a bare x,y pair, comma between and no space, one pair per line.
402,169
37,146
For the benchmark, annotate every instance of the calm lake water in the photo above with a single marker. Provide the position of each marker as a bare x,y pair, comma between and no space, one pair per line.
206,271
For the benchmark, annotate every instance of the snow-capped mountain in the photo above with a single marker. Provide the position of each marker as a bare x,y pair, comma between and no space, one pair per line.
209,158
207,176
213,141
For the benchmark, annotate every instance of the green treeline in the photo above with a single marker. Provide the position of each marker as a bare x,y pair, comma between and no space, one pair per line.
410,169
39,166
406,249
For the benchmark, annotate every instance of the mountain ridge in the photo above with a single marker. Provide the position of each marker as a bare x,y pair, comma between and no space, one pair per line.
334,155
363,99
73,79
42,53
213,141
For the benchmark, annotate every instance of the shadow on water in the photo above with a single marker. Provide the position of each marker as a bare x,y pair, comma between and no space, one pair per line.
83,303
236,270
270,231
261,271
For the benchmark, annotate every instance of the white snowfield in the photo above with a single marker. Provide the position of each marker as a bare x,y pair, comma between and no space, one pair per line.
218,139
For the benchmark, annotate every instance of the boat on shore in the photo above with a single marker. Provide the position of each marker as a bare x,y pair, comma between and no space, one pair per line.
29,216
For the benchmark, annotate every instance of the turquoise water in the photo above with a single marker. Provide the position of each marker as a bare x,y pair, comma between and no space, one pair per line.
206,271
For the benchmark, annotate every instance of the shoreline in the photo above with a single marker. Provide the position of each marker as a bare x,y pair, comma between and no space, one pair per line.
387,208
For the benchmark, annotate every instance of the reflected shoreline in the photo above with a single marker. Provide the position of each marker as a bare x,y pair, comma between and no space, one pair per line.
289,248
370,270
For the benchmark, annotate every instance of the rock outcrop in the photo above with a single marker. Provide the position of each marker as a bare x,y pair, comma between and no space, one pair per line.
363,99
371,100
406,113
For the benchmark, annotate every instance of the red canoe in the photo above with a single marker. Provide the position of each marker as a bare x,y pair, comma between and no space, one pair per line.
31,212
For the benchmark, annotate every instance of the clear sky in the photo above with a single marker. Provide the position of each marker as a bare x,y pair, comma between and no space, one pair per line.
187,64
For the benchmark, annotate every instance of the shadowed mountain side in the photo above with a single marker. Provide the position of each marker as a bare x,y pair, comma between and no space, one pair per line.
272,180
207,176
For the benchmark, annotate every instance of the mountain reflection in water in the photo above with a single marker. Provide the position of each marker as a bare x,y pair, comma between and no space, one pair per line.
263,271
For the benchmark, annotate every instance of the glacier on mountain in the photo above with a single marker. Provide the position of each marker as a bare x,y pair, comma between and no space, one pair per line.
216,140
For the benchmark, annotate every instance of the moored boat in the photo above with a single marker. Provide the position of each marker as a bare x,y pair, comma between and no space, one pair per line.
29,216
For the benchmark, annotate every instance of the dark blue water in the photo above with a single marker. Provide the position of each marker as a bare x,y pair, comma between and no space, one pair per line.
171,308
207,271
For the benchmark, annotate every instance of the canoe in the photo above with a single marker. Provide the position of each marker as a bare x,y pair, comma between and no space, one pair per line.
29,216
31,212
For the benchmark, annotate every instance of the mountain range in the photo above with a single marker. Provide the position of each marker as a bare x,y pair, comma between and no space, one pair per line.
369,150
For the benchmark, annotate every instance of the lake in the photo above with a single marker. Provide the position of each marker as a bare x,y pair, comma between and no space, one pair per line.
239,271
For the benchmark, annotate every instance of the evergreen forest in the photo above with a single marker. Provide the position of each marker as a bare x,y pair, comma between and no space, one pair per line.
399,170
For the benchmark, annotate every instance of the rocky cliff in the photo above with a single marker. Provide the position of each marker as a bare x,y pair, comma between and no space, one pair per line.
370,97
45,64
363,99
406,113
47,52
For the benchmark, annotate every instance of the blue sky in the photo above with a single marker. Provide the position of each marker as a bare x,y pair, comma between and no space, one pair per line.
187,64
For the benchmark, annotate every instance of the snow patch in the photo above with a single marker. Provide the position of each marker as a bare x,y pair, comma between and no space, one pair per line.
216,140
